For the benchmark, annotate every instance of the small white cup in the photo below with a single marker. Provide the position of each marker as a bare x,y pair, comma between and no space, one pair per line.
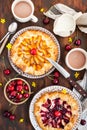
65,24
31,17
76,59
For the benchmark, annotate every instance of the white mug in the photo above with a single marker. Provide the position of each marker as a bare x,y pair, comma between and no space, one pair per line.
65,24
30,17
76,59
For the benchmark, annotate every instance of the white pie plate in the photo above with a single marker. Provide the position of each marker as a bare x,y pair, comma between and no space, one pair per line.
83,116
51,89
19,71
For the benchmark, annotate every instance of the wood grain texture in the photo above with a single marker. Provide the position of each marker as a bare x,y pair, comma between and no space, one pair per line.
22,110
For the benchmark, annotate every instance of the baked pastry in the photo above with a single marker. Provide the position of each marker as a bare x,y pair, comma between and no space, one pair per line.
56,111
30,50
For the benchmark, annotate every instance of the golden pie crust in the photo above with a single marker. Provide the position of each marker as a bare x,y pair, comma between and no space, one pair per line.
53,95
42,43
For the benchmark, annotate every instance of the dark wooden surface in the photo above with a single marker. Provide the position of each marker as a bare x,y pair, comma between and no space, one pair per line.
22,110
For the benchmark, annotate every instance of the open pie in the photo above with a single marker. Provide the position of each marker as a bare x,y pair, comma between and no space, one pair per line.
30,50
56,111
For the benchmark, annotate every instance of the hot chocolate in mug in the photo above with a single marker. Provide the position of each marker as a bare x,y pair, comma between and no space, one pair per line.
76,59
65,24
23,11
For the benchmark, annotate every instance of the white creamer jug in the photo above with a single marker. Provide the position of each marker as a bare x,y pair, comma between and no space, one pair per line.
65,24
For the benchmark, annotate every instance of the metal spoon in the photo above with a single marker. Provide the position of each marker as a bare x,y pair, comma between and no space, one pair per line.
11,29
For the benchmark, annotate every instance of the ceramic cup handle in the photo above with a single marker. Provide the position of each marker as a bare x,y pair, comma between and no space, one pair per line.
34,19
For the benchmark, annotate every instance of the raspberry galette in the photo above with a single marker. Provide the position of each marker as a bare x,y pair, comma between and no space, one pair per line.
30,50
56,111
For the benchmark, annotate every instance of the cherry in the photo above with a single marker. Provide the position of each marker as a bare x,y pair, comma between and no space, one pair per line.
7,71
69,107
64,102
13,83
46,20
78,42
6,114
26,95
19,96
68,47
33,51
11,96
19,88
83,122
55,81
10,88
12,117
26,87
9,115
13,93
19,82
57,113
56,74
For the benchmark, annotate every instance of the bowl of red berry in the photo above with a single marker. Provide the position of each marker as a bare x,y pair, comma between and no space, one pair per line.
17,91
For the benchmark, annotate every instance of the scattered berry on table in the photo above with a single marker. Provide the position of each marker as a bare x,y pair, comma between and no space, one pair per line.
12,117
68,47
78,42
7,71
46,20
55,81
6,114
83,122
56,74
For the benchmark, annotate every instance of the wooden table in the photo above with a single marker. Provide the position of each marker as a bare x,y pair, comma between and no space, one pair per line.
22,110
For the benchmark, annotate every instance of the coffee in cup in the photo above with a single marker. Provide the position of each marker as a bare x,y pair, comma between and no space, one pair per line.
23,10
76,59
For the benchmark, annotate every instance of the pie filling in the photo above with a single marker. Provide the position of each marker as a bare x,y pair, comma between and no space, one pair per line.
34,51
55,113
30,50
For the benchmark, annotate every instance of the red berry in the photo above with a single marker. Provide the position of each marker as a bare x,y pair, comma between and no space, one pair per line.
57,113
19,82
13,83
10,88
19,96
56,74
6,114
83,122
78,42
7,71
11,97
46,20
26,87
13,93
19,88
55,81
26,95
33,51
68,47
12,117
